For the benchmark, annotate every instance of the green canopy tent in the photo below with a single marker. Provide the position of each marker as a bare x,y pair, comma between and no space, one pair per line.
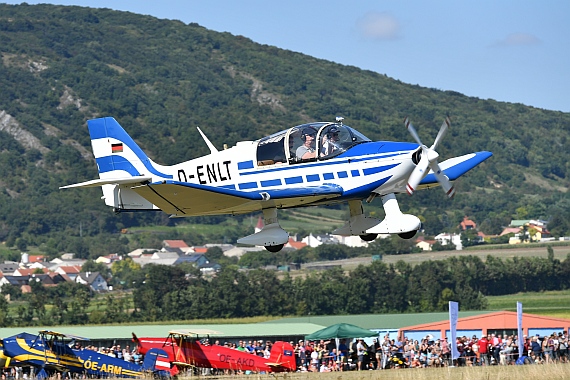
340,331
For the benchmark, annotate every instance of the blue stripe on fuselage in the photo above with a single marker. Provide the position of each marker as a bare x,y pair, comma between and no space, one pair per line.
379,147
362,152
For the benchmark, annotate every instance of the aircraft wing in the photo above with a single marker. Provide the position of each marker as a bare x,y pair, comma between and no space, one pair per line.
195,332
187,199
55,333
184,365
455,167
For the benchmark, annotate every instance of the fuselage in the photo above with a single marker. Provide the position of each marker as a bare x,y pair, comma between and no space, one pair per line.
356,165
194,353
359,170
54,355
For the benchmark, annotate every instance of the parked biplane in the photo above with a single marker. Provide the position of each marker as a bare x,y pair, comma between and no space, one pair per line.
5,361
319,163
185,349
51,352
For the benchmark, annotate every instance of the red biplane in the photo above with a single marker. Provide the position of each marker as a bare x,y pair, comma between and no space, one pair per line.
185,350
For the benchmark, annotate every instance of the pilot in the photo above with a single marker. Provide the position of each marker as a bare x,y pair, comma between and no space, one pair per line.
330,142
307,150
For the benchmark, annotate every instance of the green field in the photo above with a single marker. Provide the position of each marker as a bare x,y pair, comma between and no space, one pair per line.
551,303
311,219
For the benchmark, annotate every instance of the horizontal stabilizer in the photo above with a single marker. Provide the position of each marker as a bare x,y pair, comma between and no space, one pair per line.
109,181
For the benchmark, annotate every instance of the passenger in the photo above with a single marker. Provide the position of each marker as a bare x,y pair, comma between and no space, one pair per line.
307,150
330,142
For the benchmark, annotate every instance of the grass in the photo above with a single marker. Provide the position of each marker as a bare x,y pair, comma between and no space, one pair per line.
550,303
314,219
551,372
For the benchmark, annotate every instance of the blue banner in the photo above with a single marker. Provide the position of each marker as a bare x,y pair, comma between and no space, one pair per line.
520,340
453,315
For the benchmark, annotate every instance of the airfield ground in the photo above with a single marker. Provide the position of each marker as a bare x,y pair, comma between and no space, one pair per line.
527,372
560,253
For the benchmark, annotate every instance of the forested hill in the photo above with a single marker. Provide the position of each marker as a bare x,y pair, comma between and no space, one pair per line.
161,78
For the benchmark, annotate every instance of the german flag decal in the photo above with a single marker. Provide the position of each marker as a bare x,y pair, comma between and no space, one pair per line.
117,148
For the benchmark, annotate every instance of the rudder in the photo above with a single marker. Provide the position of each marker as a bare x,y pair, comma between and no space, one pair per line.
116,153
284,354
156,360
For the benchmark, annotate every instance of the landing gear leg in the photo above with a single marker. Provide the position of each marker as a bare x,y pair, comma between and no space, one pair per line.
272,236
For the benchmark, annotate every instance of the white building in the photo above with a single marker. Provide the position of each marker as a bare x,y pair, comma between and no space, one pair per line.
445,239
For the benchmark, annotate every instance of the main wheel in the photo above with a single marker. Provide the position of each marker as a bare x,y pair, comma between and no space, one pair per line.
408,235
274,248
368,237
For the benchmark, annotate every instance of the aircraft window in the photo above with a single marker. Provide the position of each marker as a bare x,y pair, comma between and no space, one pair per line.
302,142
271,149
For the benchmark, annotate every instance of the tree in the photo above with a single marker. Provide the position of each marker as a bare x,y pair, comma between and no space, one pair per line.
92,266
125,272
5,318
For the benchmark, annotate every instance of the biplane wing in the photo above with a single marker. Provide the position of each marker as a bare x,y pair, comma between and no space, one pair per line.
62,335
195,332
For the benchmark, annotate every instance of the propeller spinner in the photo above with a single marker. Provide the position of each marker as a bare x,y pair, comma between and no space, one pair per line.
429,158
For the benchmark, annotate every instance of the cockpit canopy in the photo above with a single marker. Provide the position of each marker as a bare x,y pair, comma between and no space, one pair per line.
307,142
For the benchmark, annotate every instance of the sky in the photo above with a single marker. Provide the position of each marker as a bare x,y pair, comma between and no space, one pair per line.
515,51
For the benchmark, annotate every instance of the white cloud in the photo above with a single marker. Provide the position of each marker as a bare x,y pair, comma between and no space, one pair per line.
519,39
379,26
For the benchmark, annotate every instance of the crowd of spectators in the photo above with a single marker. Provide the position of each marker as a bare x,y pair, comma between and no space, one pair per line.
386,353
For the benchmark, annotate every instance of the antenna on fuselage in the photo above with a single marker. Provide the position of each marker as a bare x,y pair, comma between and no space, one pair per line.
208,142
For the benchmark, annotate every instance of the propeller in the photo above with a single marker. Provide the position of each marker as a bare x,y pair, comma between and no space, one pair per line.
429,159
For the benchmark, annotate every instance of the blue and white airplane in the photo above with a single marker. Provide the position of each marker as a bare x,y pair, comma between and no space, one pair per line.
50,353
319,163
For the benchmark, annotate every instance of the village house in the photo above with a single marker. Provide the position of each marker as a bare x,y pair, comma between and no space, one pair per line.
527,231
467,224
94,280
447,238
71,271
425,244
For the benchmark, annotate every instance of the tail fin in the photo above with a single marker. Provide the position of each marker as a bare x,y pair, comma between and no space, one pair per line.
137,341
116,153
122,164
156,360
282,357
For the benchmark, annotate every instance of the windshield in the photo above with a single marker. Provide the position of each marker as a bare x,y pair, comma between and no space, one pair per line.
307,142
337,138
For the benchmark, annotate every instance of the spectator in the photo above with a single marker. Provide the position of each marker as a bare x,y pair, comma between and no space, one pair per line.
386,351
343,354
536,348
483,344
315,358
360,352
324,367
